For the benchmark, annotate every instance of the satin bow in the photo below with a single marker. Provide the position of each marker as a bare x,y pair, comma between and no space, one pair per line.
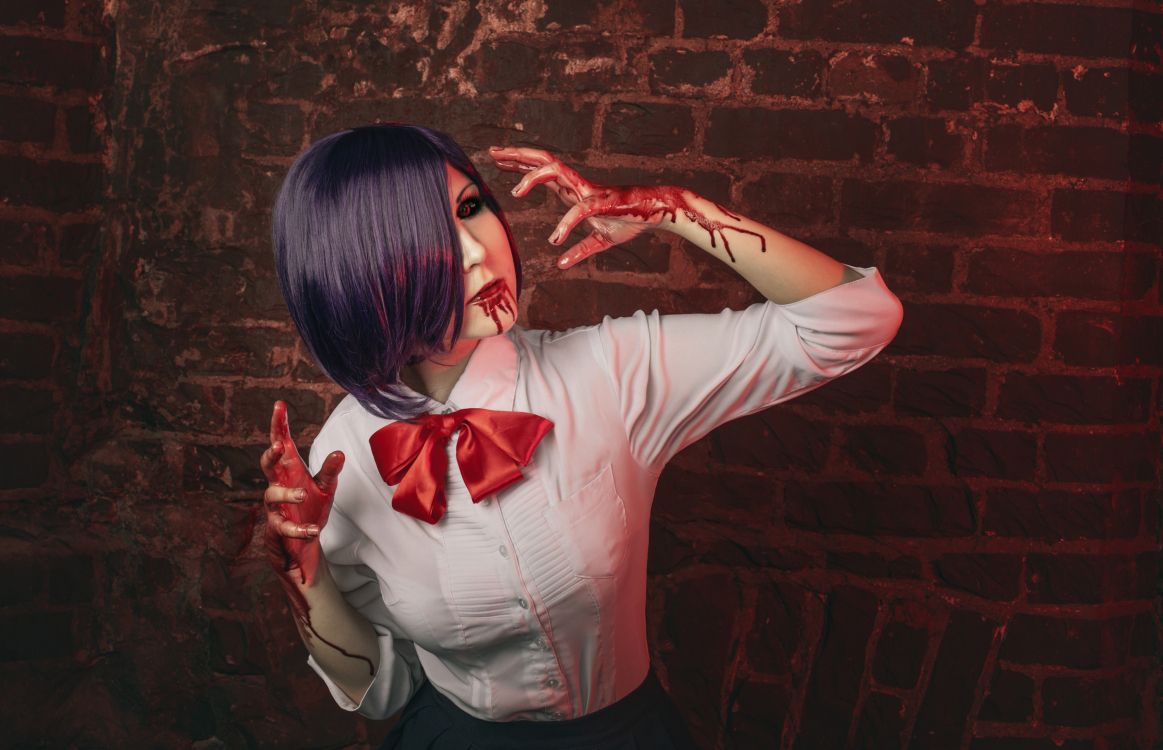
490,451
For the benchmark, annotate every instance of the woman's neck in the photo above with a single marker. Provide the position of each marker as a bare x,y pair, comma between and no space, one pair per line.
436,376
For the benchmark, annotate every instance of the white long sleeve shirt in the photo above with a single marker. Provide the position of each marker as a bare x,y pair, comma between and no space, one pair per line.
532,603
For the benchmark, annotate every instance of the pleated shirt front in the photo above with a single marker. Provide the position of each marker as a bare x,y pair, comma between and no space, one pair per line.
532,603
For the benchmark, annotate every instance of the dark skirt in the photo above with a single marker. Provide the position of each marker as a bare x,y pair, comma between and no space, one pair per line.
646,719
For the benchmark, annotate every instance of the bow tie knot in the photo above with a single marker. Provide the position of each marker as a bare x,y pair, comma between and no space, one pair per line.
492,447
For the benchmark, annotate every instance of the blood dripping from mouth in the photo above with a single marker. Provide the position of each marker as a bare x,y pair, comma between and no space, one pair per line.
498,299
644,202
287,565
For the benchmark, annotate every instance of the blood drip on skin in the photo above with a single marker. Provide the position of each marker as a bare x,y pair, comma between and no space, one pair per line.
499,299
644,202
286,565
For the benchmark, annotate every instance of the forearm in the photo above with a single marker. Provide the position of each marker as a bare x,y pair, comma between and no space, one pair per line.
783,269
340,639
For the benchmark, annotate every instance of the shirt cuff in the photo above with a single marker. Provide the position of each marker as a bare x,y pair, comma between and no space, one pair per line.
390,689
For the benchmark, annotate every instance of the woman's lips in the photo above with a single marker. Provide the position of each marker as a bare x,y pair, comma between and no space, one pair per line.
488,290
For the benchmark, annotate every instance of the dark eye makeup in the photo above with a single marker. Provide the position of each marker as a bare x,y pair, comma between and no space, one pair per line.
474,203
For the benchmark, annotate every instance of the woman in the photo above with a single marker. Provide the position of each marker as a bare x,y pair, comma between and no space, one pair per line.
486,556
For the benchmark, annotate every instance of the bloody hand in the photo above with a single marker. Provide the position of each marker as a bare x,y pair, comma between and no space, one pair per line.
297,504
615,214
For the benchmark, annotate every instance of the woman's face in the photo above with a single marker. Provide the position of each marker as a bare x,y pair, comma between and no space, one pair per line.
488,261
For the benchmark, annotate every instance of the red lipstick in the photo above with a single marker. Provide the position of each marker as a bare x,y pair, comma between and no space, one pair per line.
488,290
495,296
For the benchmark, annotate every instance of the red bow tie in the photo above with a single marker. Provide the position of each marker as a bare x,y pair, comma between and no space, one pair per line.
490,450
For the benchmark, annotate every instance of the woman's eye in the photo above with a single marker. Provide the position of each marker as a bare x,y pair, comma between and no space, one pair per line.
472,204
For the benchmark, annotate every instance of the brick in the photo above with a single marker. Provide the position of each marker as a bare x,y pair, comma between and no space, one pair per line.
784,72
251,409
886,450
70,579
65,65
82,132
1073,399
26,466
1080,150
866,390
694,495
920,267
24,410
25,242
734,19
38,298
53,185
1089,701
837,672
1145,106
1101,458
756,714
80,243
1101,339
927,22
182,407
1085,275
959,392
1057,29
647,129
789,200
1067,642
504,65
969,330
1090,579
884,79
1144,636
23,581
952,686
655,17
274,128
957,83
220,468
874,566
990,576
44,13
233,650
591,65
1055,515
824,135
924,141
969,210
471,121
1097,92
777,628
775,439
35,635
27,120
992,453
1010,697
25,356
555,125
678,70
1028,743
900,651
704,644
881,722
1014,85
1081,215
905,510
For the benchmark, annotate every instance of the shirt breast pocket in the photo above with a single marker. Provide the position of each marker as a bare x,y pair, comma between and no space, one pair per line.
592,528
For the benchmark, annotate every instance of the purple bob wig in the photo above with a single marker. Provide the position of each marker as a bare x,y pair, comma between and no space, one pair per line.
368,257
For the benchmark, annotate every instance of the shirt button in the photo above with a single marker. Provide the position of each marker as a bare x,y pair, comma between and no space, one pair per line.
539,643
503,550
485,502
552,682
524,604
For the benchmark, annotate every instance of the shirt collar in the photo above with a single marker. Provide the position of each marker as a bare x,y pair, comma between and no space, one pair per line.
489,380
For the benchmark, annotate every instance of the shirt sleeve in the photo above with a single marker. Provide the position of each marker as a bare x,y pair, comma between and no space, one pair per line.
399,674
677,377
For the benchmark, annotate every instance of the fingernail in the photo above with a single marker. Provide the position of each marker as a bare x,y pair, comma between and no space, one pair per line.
313,530
300,494
513,192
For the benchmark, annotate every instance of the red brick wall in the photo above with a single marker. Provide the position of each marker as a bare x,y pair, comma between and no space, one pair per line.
954,547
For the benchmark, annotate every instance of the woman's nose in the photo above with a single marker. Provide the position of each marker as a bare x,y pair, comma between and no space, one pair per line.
471,250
